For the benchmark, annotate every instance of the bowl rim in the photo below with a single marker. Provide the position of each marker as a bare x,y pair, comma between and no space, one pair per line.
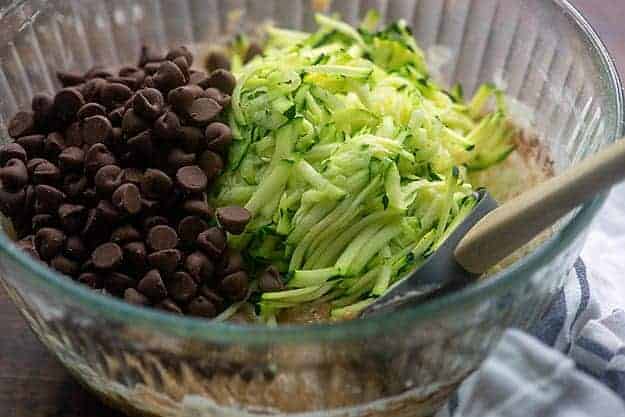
250,334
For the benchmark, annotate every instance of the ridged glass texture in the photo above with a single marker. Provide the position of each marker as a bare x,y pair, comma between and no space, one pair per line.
542,52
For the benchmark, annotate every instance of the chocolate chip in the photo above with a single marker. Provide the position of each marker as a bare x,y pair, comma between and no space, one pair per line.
54,144
127,71
116,141
156,184
180,51
181,98
96,129
231,262
212,242
169,306
211,163
113,95
141,145
152,286
191,178
218,137
29,199
217,60
130,82
270,280
162,237
166,126
135,255
196,76
220,79
168,77
107,211
127,198
92,88
235,285
12,150
125,233
190,227
166,260
90,279
148,103
65,265
32,144
132,124
90,110
74,185
132,296
210,294
107,179
107,256
72,217
198,208
203,110
152,221
253,50
12,203
42,105
221,98
93,225
181,287
132,175
98,71
23,123
178,158
46,172
96,157
14,174
199,267
49,242
202,307
116,116
68,78
75,248
150,69
73,135
181,63
40,221
191,138
67,102
233,218
48,199
71,158
117,282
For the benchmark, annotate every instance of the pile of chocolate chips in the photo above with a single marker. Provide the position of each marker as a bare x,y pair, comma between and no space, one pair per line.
107,183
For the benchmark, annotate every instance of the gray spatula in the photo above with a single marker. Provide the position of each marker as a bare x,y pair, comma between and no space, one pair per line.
490,233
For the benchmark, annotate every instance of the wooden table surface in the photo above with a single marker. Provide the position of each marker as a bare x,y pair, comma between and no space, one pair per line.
27,391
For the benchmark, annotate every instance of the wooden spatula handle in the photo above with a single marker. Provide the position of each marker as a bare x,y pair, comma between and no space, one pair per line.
512,225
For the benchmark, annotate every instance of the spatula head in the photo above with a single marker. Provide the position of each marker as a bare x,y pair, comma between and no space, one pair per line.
440,273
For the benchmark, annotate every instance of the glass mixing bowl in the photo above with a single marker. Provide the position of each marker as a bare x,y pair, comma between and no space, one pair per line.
542,52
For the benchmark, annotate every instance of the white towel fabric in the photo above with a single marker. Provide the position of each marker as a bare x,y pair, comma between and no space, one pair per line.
572,365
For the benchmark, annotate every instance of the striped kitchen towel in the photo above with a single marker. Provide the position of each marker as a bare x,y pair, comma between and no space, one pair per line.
572,363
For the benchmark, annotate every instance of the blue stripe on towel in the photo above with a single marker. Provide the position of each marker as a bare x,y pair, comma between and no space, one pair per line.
580,271
552,322
594,348
615,380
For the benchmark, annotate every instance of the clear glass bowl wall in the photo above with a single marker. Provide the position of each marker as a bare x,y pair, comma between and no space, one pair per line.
407,364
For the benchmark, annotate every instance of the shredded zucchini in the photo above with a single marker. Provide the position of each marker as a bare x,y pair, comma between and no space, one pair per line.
352,160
